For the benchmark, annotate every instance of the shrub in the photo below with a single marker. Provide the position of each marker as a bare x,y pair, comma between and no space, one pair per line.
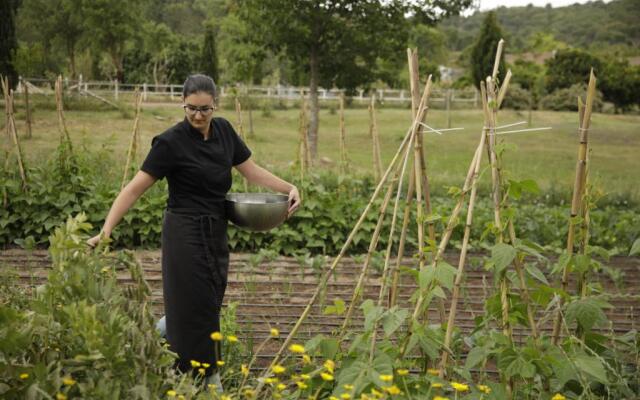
567,99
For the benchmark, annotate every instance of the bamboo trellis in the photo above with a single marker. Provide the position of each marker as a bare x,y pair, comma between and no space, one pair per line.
12,134
578,193
375,139
343,148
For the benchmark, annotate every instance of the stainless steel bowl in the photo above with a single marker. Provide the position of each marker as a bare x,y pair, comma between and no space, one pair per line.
257,211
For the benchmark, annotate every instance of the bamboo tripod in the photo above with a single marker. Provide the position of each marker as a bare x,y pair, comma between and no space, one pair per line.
12,136
579,188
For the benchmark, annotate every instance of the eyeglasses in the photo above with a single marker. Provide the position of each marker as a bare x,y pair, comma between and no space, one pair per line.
192,110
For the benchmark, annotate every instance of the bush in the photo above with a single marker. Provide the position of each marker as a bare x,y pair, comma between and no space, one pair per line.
517,98
567,99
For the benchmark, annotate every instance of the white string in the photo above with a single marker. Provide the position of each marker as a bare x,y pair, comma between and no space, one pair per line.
510,125
525,130
439,131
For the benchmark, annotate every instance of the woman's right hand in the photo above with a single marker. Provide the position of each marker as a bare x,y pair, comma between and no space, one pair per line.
93,242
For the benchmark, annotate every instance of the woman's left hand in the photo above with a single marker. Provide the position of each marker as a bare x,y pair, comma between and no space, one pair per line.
294,201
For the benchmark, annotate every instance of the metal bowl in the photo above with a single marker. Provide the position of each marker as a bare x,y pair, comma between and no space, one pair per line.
257,211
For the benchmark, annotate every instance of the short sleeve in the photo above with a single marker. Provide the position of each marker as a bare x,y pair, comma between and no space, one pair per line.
159,160
241,152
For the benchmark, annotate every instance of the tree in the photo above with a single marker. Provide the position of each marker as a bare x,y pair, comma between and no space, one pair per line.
56,20
111,24
569,67
483,53
8,41
209,62
621,84
337,41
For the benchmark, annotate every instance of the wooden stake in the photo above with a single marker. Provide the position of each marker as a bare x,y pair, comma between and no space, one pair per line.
578,193
373,133
13,133
303,144
28,108
133,145
242,136
343,147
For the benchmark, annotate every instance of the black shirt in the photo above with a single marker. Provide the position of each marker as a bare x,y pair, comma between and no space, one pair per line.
198,171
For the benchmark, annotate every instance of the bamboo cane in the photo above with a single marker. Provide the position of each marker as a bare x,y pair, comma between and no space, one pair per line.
463,255
28,108
62,125
496,62
372,246
444,241
302,132
242,136
343,147
133,145
5,91
13,133
325,277
373,133
578,192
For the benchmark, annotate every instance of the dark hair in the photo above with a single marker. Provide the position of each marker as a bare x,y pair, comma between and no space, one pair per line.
199,83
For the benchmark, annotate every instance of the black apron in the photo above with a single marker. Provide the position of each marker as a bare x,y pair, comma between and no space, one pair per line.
195,261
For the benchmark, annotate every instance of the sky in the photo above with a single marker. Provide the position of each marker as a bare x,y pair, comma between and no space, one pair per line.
491,4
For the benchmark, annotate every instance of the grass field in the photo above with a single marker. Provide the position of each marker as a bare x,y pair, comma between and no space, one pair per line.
546,156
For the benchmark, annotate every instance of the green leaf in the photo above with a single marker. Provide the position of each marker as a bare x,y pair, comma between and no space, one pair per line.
475,357
502,255
393,319
536,273
591,366
445,274
587,312
530,186
425,277
635,248
329,348
338,308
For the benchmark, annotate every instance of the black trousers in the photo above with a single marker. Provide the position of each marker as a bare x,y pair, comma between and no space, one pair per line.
195,262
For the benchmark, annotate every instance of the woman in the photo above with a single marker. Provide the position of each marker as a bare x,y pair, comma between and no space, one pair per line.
196,156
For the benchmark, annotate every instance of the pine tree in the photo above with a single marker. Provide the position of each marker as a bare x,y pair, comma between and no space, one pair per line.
8,41
209,62
483,53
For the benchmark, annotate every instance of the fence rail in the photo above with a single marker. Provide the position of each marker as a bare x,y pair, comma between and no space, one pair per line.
164,92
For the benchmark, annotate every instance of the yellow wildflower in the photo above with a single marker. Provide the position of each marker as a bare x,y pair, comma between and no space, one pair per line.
330,365
278,369
171,393
195,364
402,372
386,378
306,359
302,385
206,365
271,380
276,396
60,396
232,339
434,372
459,387
180,397
440,398
436,385
326,377
392,390
274,332
345,396
201,371
281,386
244,369
484,389
249,393
219,363
333,398
217,336
346,386
376,393
558,396
24,376
305,377
296,348
68,381
212,386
